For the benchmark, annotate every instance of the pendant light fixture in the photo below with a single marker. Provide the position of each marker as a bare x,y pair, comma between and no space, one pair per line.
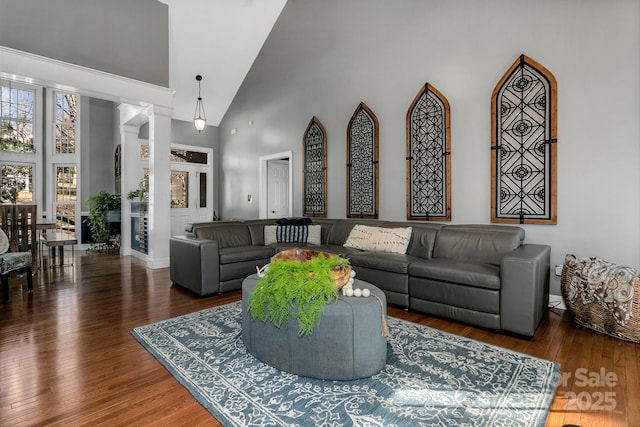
199,118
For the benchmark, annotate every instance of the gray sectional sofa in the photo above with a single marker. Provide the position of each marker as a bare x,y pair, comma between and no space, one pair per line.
484,275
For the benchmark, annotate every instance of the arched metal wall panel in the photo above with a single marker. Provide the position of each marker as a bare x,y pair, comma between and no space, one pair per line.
428,157
314,148
362,164
524,137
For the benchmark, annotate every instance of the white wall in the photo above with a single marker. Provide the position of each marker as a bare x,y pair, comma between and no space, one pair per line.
97,132
323,58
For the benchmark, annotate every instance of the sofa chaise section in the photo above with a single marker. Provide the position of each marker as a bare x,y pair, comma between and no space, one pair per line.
483,275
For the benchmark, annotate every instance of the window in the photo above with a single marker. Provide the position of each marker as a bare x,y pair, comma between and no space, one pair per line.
19,164
66,119
203,189
362,164
64,159
16,118
428,159
315,169
18,179
179,189
66,197
186,156
524,136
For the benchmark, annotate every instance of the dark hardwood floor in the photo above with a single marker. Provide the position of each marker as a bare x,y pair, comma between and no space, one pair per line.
67,357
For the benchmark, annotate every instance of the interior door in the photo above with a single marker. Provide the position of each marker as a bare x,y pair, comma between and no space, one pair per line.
189,200
277,188
191,187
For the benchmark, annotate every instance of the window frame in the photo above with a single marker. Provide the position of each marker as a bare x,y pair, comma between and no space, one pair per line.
55,160
34,159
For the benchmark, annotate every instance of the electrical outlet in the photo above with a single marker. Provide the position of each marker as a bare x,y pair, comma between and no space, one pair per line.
558,270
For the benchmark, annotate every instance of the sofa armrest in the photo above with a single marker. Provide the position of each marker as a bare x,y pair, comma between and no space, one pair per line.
524,292
195,264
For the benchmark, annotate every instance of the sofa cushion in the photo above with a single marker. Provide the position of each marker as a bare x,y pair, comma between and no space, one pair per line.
395,263
334,249
460,272
426,292
4,242
369,238
256,229
339,232
423,238
13,261
245,253
195,228
227,235
480,244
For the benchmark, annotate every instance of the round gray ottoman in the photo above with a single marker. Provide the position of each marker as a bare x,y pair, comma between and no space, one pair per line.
346,345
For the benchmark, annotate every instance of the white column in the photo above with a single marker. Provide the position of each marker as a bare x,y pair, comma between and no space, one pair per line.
159,187
130,162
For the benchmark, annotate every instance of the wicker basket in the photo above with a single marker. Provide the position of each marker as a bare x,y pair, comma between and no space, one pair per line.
594,315
341,275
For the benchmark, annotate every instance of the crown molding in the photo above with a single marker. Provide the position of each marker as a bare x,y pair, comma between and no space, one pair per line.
39,70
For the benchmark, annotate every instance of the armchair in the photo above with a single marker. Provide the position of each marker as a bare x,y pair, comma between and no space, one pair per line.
17,243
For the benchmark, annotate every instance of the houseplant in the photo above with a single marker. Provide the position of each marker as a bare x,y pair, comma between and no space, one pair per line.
102,205
298,288
141,193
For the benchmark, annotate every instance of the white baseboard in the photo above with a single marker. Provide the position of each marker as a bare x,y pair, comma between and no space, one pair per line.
151,263
556,301
157,263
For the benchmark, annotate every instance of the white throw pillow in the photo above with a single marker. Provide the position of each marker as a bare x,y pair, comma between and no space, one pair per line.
313,238
368,238
270,234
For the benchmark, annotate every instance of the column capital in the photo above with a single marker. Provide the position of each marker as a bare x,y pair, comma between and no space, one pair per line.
134,129
159,110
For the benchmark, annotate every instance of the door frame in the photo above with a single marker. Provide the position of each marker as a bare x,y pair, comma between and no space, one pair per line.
264,181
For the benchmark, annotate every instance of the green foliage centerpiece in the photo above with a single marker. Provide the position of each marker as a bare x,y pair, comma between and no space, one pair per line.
297,284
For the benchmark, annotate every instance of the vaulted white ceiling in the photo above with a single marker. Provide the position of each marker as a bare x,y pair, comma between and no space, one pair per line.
218,39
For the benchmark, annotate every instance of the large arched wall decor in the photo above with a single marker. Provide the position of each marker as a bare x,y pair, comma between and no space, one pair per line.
428,157
362,164
523,140
314,174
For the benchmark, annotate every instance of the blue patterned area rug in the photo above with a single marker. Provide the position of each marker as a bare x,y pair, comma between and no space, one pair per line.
432,378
